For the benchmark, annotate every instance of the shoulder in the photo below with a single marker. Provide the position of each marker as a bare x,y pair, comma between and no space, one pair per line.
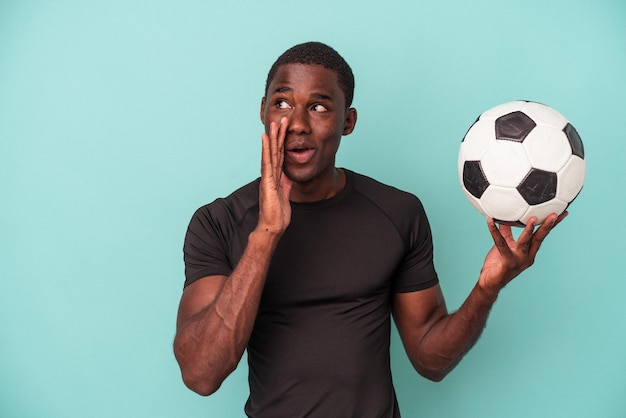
239,201
403,209
388,198
231,208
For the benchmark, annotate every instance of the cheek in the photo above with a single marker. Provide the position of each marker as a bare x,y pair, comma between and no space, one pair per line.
332,139
332,127
269,116
336,131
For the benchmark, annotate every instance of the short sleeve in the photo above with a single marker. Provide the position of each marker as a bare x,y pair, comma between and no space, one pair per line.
416,270
205,249
218,233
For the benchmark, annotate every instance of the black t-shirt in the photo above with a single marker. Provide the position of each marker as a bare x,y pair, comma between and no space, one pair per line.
320,344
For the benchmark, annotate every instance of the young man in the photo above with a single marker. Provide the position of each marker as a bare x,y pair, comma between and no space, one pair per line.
304,266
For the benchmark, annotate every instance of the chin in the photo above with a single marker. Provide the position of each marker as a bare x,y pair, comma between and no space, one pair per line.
299,176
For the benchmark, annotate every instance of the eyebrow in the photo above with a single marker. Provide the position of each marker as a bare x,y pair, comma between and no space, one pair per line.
283,90
320,96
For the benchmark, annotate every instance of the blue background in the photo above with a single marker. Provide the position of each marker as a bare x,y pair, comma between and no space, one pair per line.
119,118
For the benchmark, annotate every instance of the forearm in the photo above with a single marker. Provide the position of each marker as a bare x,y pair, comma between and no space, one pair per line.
435,340
209,345
453,335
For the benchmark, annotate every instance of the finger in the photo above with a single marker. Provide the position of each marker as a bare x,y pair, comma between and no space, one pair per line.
285,186
560,218
266,155
545,228
280,144
507,232
274,143
526,237
498,239
269,146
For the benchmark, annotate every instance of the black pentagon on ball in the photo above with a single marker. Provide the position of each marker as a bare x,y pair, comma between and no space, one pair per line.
474,178
539,186
574,140
514,126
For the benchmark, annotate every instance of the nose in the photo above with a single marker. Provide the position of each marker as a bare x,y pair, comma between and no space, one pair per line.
299,122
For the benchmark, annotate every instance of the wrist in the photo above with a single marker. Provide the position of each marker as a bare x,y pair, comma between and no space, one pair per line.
264,237
489,293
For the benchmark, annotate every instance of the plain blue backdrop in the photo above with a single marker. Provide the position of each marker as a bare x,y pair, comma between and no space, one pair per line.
119,118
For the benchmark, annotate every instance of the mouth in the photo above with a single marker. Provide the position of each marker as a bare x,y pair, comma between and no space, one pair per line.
299,153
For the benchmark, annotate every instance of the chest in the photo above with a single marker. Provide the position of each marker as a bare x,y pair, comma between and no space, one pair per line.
334,255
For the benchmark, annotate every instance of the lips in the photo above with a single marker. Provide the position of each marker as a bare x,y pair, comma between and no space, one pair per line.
299,153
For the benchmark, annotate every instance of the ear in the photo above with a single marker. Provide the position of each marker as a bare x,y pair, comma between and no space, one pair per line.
262,112
350,121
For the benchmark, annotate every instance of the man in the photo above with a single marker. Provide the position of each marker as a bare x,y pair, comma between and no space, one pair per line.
304,266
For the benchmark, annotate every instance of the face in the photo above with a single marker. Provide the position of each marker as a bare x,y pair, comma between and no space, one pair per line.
314,104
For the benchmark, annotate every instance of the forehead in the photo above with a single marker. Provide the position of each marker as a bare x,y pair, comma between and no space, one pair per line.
306,78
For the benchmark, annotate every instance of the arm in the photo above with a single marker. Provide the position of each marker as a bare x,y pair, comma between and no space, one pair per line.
217,313
435,340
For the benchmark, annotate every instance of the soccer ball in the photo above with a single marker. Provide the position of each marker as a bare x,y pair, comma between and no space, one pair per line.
521,159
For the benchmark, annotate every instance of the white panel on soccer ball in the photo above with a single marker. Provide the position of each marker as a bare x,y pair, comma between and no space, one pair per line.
477,140
544,115
505,163
503,203
502,109
570,179
475,202
543,210
547,148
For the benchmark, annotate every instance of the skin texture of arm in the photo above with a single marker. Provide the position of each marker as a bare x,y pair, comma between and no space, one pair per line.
217,313
435,340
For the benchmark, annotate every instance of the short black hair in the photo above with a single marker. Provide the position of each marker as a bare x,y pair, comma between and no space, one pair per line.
317,53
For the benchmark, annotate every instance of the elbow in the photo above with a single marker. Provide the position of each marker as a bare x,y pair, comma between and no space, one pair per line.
437,369
433,375
201,386
204,383
200,378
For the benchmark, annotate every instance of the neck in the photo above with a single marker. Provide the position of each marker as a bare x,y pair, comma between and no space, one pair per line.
319,189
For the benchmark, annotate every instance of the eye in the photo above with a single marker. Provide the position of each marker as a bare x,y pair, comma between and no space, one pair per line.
282,104
319,108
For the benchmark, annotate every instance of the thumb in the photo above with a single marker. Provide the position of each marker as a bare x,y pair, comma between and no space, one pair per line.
285,184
